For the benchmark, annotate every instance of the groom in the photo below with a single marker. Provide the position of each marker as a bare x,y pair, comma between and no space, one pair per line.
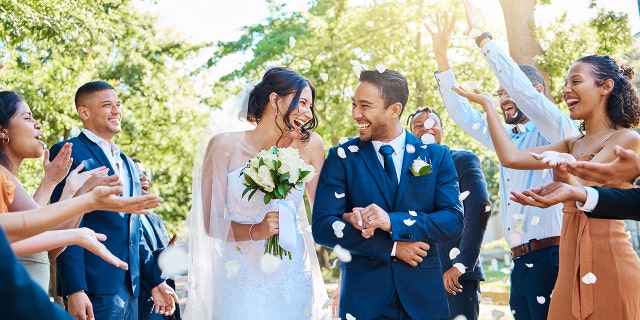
393,217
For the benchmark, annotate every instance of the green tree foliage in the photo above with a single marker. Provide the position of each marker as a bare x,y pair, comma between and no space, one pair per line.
51,47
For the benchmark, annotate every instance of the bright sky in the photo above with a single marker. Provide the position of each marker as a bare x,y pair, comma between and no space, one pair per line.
215,20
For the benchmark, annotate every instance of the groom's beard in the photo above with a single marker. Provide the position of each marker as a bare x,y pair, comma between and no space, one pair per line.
378,131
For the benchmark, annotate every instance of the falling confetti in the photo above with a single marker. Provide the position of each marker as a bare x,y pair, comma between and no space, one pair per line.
369,24
413,213
339,233
269,263
460,267
589,278
339,195
428,124
381,67
487,208
518,216
338,225
334,264
505,270
428,138
535,220
522,128
324,76
343,254
357,51
460,317
409,222
484,116
454,253
464,195
353,148
472,85
529,265
410,148
292,42
350,317
476,126
343,140
541,299
497,314
232,269
173,261
341,153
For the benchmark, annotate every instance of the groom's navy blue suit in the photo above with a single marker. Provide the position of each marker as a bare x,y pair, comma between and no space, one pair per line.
371,278
79,269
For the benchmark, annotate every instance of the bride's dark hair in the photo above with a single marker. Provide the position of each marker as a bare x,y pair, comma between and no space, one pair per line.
283,81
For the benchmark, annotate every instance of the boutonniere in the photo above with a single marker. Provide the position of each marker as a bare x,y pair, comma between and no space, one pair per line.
420,167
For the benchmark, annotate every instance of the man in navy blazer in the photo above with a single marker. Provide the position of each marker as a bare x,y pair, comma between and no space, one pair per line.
463,285
92,287
370,203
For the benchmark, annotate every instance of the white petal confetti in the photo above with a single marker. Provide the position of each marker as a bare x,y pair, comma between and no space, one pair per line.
483,116
338,225
369,24
471,85
589,278
464,195
513,312
339,234
381,67
269,263
423,147
413,213
334,264
341,153
454,253
487,208
353,148
357,51
343,140
354,62
356,70
460,317
410,148
232,269
324,76
428,138
522,128
518,216
343,254
497,314
409,222
460,267
292,42
529,265
338,195
535,220
541,299
553,158
476,126
173,261
506,270
428,124
350,317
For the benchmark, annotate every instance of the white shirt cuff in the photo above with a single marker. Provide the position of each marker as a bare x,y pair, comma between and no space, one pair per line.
393,251
591,202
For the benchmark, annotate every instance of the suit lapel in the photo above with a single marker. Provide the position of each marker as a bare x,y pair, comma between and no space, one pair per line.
371,161
405,174
97,153
129,166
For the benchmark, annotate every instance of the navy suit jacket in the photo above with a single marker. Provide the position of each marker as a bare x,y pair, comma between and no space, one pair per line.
22,298
476,216
371,277
79,269
616,203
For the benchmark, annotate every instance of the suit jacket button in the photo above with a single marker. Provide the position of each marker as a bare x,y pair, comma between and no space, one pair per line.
130,243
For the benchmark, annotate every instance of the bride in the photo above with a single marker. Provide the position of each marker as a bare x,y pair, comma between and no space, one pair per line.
228,232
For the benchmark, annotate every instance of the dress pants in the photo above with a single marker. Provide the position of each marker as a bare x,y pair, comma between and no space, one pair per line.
394,310
533,281
467,302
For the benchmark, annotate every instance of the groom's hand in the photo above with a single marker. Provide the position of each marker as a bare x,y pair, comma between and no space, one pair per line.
375,217
353,218
412,252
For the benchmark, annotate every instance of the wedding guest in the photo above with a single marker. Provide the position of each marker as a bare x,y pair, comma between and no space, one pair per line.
532,120
463,285
89,286
230,276
155,239
598,276
370,203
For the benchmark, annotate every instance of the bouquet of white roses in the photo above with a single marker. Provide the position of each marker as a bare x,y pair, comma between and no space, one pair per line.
275,172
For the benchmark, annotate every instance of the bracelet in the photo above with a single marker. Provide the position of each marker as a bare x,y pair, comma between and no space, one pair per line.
251,229
481,37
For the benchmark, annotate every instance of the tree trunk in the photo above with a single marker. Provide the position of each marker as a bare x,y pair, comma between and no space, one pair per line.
520,24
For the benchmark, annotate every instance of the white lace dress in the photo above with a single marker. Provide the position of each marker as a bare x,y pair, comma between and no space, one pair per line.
251,293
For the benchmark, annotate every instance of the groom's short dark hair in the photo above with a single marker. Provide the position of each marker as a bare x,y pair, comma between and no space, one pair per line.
392,85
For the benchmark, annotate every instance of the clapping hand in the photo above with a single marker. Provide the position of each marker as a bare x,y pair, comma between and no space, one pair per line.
473,17
76,179
91,241
106,198
56,170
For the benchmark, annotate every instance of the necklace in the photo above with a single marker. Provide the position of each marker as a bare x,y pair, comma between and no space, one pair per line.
588,147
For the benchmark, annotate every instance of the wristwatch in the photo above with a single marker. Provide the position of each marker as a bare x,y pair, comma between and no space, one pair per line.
481,37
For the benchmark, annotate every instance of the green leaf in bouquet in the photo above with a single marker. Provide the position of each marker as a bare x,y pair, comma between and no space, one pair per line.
246,189
267,198
249,181
299,185
285,177
281,191
304,173
252,193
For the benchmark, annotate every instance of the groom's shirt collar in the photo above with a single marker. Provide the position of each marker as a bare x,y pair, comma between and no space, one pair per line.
398,145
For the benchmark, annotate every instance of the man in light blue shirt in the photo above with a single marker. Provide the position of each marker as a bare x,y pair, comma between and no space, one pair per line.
532,233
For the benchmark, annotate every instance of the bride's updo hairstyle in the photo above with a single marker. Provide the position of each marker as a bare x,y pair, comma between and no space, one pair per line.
282,81
623,106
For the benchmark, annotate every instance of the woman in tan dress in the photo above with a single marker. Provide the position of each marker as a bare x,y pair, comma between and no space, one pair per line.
599,92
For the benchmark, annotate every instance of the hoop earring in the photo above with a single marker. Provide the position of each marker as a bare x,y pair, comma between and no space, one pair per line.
5,140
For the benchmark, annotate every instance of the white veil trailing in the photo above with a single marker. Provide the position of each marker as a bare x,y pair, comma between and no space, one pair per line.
210,235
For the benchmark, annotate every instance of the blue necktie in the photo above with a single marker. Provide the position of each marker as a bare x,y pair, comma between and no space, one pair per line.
390,168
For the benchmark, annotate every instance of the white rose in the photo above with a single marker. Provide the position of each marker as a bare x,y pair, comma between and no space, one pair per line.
418,164
251,173
264,179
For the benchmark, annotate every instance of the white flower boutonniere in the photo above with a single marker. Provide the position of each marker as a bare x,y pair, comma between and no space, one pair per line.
420,167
